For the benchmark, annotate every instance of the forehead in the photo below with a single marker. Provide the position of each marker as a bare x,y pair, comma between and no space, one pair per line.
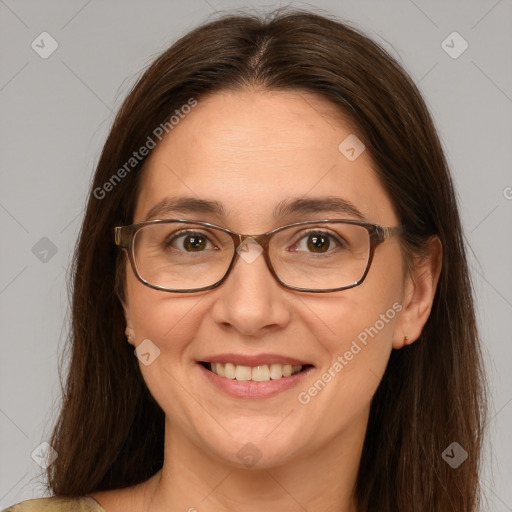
251,150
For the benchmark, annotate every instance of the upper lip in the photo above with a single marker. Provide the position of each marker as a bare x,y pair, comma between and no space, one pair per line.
253,360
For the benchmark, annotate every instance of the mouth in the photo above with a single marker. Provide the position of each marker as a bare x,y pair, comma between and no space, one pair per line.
260,373
255,376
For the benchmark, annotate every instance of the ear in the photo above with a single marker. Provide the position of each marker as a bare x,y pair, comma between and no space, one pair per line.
419,292
129,331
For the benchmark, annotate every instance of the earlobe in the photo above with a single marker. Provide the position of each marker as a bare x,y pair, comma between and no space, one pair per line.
129,331
130,335
419,292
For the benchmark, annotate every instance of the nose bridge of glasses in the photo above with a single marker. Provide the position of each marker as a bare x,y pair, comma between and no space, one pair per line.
241,239
258,243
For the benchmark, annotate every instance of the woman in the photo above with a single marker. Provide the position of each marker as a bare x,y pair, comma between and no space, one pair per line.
327,362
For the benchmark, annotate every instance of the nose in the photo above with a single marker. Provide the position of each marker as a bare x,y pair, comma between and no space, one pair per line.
250,300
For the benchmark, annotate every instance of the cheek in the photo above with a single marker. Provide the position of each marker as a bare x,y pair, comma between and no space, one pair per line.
166,323
363,312
356,355
167,320
355,330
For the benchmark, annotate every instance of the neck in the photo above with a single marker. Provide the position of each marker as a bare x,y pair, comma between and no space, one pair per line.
194,480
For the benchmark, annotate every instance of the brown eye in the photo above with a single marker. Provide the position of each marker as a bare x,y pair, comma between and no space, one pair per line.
317,242
188,242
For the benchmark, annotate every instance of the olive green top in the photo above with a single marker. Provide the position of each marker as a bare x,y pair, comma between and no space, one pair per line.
57,504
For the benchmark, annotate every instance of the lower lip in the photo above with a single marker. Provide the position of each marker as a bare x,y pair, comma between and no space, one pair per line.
252,389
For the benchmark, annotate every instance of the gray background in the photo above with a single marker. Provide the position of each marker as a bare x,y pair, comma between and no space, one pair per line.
55,114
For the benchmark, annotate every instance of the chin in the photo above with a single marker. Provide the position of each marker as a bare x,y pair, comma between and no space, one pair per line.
248,449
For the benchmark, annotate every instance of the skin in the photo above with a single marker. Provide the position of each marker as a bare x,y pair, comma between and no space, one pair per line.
241,148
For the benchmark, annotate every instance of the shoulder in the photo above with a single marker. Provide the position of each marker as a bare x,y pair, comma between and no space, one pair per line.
57,504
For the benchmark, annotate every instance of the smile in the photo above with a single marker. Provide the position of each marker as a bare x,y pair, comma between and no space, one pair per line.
253,377
260,373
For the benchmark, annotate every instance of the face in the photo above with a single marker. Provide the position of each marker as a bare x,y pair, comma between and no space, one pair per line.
252,151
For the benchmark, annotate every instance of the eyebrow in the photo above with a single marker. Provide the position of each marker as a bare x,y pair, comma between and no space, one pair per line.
294,206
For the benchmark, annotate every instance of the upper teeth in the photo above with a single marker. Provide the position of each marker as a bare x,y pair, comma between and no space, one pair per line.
257,373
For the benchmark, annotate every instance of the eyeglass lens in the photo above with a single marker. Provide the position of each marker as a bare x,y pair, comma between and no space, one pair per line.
189,256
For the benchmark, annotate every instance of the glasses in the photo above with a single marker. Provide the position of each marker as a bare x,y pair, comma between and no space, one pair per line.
178,255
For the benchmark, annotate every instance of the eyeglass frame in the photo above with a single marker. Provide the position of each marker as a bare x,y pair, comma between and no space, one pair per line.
124,237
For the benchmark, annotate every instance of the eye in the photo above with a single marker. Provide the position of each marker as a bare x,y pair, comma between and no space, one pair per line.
318,241
188,241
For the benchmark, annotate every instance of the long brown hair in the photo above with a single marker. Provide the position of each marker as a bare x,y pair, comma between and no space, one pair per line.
110,430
